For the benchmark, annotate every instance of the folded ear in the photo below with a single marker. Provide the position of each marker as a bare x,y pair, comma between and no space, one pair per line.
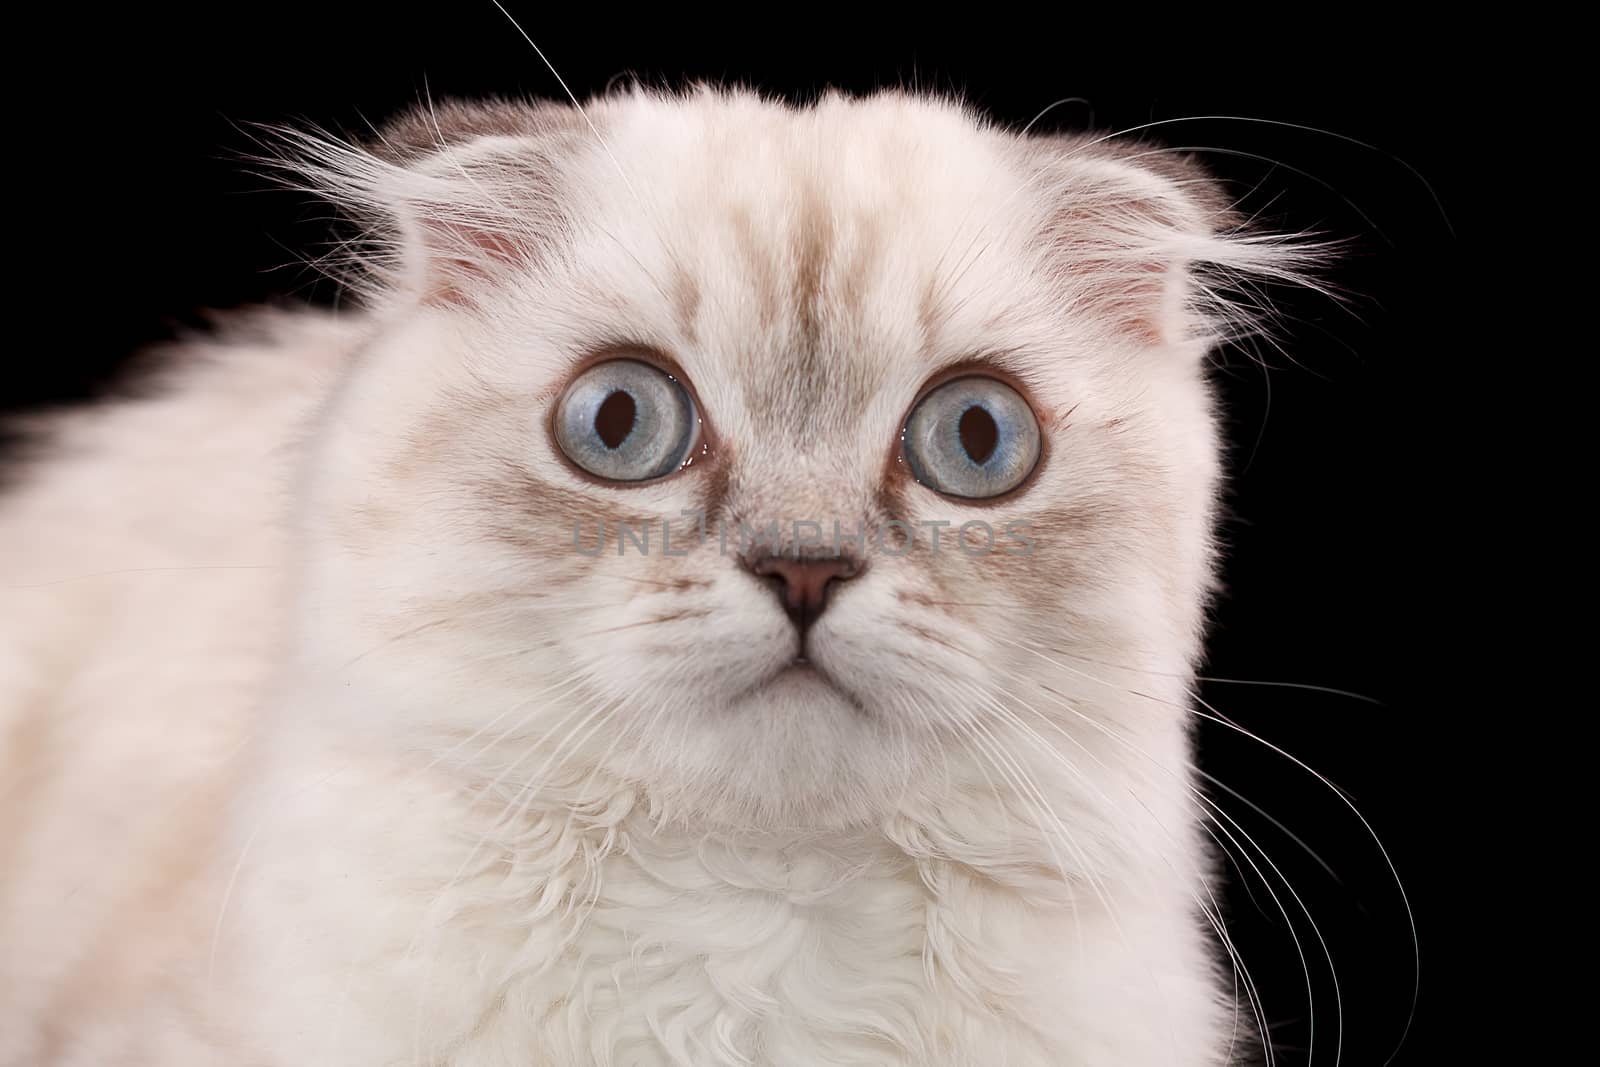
1147,241
452,196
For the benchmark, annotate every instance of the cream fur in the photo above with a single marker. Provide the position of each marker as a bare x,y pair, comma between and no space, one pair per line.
322,745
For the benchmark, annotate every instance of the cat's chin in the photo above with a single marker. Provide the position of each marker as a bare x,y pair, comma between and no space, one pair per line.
796,750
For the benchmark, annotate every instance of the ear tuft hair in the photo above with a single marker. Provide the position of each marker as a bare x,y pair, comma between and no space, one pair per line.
1148,239
449,196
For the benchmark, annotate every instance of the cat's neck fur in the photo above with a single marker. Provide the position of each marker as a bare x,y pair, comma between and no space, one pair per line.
578,923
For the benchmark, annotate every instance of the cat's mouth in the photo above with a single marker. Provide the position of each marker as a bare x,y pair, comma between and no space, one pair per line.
802,667
803,673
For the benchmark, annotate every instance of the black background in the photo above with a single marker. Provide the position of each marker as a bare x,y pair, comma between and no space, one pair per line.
141,212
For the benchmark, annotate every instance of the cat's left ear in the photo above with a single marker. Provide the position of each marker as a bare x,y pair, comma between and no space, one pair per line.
455,195
1149,243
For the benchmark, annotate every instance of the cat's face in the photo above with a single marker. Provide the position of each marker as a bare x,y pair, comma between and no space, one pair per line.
774,291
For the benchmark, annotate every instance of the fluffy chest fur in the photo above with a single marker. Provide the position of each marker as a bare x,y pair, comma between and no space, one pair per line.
585,932
630,947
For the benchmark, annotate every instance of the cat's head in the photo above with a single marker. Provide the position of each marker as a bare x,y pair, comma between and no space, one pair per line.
774,459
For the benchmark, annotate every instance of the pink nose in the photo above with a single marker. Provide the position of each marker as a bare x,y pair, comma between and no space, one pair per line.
803,584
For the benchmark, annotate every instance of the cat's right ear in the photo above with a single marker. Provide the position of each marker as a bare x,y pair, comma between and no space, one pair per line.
451,197
1144,240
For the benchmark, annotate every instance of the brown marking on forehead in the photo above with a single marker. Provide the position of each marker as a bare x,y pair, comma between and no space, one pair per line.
686,305
851,288
763,281
813,239
612,306
811,402
824,374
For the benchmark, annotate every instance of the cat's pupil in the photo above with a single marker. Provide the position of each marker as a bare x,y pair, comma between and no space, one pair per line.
614,421
978,433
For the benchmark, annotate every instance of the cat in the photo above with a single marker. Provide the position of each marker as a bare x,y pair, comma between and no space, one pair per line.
728,596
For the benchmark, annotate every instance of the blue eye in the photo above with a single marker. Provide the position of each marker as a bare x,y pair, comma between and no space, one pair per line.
626,421
972,437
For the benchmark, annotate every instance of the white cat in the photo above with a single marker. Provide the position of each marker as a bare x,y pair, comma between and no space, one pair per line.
728,599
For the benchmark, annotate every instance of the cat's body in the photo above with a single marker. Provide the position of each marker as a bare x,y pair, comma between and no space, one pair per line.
322,742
